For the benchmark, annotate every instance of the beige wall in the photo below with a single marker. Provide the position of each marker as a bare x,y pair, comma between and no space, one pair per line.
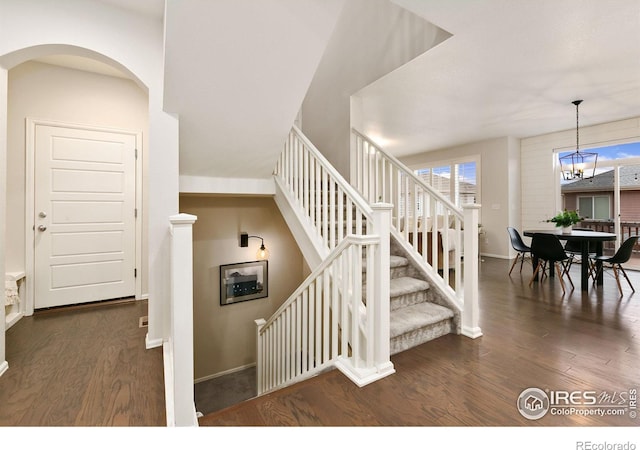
47,92
498,184
225,336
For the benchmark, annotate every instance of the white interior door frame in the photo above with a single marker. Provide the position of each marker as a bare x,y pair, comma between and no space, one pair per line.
31,124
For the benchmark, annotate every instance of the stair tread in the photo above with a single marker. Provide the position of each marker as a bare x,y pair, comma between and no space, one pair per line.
417,316
406,285
397,261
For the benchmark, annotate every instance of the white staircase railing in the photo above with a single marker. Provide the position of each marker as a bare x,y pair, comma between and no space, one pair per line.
335,318
426,223
330,320
328,206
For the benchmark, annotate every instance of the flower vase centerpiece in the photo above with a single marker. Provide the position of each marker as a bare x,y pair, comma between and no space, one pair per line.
566,219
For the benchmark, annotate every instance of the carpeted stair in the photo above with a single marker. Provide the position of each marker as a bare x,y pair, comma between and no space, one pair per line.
418,314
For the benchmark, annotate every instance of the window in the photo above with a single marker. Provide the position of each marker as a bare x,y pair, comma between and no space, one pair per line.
457,181
595,207
609,153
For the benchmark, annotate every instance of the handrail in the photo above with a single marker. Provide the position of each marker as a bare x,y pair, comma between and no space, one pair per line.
425,221
349,240
328,321
426,224
353,193
328,203
335,318
400,166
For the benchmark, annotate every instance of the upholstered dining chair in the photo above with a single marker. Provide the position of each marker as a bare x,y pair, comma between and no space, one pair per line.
519,246
550,253
616,261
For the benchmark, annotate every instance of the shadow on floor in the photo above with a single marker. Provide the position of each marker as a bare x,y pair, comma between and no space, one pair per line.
227,390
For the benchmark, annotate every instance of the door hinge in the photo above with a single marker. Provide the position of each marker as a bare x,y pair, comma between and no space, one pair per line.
135,212
135,273
136,153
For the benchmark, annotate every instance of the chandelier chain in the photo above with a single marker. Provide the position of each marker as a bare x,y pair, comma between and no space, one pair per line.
577,129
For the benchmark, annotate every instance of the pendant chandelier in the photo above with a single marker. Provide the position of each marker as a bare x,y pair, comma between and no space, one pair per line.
574,164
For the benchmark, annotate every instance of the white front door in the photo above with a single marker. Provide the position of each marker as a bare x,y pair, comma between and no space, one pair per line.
84,215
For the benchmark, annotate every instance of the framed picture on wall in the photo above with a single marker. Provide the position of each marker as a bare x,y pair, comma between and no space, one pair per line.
243,281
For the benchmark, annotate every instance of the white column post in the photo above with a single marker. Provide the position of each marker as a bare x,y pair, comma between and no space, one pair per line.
181,337
381,280
470,313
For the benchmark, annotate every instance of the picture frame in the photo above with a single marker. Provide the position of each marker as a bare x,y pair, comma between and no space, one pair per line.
245,281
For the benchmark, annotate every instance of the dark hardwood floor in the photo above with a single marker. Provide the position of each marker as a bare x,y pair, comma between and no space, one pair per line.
88,366
532,337
82,366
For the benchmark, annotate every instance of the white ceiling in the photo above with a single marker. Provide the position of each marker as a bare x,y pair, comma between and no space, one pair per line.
236,72
511,68
153,8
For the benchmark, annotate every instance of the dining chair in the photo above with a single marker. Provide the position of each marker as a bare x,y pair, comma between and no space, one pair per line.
519,246
616,261
550,253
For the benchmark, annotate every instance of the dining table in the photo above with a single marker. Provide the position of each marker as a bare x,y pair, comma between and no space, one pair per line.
585,238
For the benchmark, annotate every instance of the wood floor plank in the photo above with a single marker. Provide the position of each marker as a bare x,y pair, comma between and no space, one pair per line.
82,366
532,337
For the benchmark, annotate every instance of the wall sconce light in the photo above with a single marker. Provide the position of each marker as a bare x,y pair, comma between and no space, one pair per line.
262,253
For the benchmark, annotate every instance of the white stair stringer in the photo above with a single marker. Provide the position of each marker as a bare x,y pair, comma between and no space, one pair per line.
313,250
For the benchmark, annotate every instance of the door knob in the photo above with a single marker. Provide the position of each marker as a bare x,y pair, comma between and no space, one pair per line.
42,228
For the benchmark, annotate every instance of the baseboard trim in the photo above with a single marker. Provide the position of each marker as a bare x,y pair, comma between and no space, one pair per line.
226,372
4,366
152,343
493,255
12,319
471,332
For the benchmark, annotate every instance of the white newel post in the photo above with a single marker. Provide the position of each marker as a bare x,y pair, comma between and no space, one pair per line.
470,313
382,345
182,318
259,355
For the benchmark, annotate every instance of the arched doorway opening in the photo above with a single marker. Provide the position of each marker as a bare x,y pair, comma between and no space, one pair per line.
75,88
